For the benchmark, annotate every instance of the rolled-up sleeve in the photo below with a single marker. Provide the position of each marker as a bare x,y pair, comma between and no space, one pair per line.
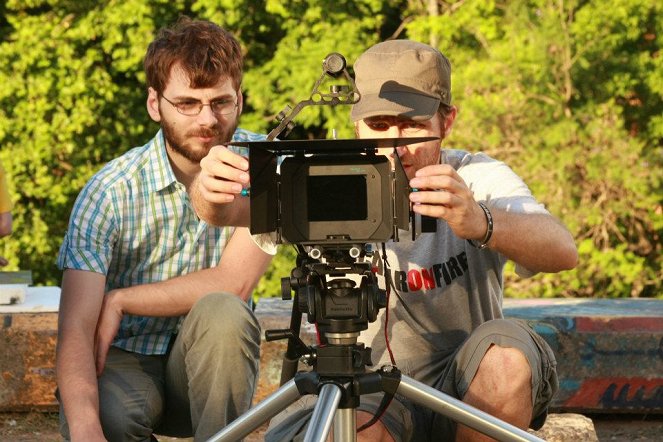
88,243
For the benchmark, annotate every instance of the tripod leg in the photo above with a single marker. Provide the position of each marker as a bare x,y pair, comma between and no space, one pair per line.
345,425
252,419
460,412
323,413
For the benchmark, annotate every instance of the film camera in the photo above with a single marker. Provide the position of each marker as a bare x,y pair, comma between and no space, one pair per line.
335,197
328,192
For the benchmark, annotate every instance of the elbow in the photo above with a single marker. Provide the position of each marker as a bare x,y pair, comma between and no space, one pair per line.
567,257
561,258
570,253
571,258
5,224
245,292
5,230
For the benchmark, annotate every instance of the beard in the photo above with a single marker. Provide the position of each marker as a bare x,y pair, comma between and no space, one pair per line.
188,146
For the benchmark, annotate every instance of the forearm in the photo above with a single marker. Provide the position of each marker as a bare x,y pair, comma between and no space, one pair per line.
77,385
539,242
173,297
176,296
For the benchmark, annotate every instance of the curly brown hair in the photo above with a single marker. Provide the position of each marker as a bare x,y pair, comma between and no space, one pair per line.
205,51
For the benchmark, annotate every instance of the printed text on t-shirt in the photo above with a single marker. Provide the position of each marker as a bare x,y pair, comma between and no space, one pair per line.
417,279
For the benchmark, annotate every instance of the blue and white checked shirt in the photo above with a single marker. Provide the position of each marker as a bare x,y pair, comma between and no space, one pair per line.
134,222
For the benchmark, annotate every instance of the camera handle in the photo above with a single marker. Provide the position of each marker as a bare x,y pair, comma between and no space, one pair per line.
334,66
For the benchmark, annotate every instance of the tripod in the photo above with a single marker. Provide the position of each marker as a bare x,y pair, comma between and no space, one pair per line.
339,376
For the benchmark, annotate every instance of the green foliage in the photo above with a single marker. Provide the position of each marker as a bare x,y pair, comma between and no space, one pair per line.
568,93
556,90
69,98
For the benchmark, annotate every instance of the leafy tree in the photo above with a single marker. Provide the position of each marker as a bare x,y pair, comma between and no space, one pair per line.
71,98
569,94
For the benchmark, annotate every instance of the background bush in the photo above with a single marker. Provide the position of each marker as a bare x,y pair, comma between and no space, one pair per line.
568,93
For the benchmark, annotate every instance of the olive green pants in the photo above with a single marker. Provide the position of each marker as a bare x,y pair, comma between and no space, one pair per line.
205,381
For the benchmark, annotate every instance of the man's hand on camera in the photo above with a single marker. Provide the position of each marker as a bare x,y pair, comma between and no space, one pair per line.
215,190
223,175
442,193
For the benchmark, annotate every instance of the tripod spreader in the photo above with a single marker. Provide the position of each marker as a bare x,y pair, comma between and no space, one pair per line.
338,396
352,387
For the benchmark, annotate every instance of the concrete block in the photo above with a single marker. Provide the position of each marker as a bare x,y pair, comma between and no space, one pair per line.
27,351
609,351
27,365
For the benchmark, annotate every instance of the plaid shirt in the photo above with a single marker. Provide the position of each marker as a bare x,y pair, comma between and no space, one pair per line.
134,222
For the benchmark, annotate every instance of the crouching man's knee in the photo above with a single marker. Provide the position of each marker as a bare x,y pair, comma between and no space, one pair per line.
219,316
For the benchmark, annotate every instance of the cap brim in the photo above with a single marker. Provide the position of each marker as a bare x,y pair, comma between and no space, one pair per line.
417,107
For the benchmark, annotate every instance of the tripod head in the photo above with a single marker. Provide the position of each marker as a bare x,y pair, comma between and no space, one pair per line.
330,298
339,293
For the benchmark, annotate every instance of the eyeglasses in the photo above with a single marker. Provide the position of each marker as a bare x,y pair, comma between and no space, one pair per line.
191,108
383,124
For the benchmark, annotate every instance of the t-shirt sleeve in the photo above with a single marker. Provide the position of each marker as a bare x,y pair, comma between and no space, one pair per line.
266,242
499,186
88,242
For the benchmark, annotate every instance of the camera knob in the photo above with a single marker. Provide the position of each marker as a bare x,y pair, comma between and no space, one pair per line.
334,64
315,253
286,289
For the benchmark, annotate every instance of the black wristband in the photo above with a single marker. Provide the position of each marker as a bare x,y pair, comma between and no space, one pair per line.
489,230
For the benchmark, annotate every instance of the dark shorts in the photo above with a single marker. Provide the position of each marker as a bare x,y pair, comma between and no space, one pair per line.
407,421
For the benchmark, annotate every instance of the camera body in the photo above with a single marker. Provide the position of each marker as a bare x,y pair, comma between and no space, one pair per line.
336,199
328,192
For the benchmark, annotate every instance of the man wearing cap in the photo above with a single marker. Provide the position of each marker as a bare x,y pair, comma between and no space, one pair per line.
445,326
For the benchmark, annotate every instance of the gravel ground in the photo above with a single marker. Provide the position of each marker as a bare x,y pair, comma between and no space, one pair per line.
43,427
628,428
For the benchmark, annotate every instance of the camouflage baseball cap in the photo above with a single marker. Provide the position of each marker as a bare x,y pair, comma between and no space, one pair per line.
401,78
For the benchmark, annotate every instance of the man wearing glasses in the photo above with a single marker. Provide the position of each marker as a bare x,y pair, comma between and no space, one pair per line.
155,333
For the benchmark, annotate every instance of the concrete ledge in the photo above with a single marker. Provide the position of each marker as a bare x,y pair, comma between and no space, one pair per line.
609,352
27,345
27,365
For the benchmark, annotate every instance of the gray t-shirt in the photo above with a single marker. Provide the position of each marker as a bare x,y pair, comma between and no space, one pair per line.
445,287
